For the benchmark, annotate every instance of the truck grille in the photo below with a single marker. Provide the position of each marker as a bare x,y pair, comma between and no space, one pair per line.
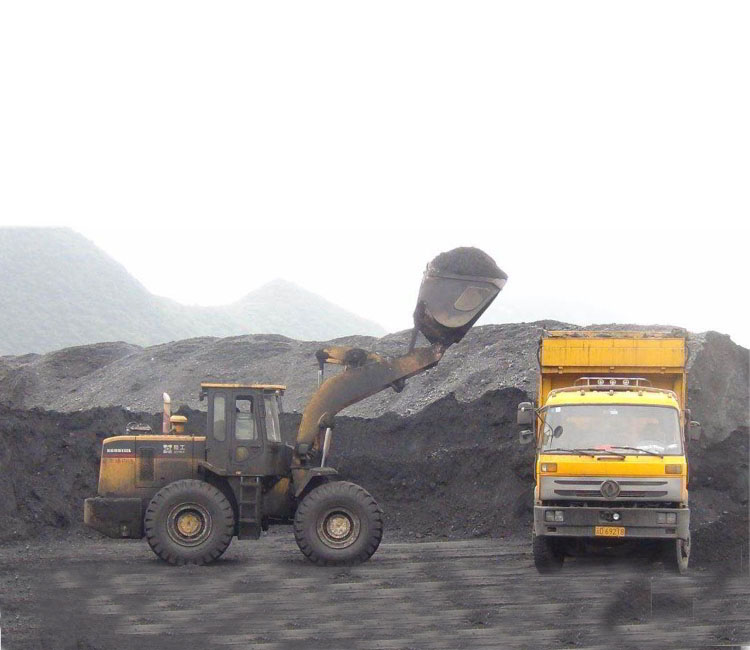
625,494
598,488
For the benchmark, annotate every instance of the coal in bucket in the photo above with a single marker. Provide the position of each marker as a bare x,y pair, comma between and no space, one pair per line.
457,287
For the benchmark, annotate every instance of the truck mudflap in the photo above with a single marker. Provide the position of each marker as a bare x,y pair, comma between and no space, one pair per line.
612,522
114,517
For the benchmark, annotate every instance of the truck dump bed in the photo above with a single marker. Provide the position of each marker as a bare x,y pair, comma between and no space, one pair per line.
568,355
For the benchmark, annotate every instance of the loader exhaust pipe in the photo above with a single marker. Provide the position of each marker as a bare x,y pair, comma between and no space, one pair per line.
166,425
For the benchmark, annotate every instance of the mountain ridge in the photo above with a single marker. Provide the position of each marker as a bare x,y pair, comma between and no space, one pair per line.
61,290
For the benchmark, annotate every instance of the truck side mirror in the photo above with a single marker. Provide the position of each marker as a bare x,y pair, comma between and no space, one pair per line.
525,413
302,448
694,430
525,436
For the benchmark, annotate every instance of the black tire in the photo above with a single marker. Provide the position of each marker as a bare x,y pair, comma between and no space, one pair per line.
189,522
677,555
338,523
548,555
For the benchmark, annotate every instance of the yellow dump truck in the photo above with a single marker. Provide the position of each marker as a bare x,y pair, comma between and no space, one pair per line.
610,427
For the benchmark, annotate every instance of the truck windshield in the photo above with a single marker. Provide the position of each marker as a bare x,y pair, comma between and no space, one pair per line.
653,429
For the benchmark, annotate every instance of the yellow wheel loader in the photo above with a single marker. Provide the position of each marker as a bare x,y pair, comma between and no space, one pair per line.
190,495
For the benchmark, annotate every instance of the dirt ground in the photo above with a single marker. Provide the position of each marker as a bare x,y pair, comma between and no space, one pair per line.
115,595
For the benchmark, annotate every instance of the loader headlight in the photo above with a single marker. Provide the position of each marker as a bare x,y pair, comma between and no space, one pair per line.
666,517
553,515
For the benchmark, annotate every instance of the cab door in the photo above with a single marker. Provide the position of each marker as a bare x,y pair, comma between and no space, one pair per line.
218,440
246,433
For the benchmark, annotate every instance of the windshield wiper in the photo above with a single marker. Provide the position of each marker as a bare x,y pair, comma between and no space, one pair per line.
645,451
583,452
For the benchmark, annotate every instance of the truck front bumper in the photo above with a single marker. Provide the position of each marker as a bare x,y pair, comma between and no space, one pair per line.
644,523
114,517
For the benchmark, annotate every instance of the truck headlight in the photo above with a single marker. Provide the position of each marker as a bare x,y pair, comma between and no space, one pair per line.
666,517
673,469
553,515
549,467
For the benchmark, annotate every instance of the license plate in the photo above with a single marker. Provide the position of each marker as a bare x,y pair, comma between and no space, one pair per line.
609,531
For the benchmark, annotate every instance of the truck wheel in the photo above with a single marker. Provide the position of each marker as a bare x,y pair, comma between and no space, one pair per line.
338,523
677,554
189,522
548,556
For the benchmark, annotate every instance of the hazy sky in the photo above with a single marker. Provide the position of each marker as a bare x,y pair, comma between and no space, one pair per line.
598,151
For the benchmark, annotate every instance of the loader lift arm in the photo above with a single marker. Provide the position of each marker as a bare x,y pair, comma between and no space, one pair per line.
367,375
360,381
450,302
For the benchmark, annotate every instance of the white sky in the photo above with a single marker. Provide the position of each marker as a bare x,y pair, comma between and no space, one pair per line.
598,151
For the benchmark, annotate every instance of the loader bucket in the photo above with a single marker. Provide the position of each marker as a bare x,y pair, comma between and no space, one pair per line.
457,287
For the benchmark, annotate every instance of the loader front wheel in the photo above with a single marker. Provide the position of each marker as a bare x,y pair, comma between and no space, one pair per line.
338,523
189,522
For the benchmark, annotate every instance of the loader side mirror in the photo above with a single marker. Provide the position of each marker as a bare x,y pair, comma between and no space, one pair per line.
525,413
694,430
525,436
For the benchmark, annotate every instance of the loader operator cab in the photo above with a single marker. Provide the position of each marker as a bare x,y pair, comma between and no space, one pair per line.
243,435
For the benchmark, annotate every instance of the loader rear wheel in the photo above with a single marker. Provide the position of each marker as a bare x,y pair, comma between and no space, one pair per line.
189,522
338,523
548,556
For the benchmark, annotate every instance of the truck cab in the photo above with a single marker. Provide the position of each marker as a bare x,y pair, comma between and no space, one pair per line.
610,433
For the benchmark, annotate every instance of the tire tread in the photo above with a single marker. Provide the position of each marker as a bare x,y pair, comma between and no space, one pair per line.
339,488
153,534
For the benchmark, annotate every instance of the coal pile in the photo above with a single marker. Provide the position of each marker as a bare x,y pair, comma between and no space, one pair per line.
441,456
453,470
49,463
490,357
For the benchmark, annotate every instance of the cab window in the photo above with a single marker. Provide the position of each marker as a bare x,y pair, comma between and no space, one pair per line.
244,419
220,428
273,432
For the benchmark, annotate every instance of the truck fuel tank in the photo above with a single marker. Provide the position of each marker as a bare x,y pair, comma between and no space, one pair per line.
457,287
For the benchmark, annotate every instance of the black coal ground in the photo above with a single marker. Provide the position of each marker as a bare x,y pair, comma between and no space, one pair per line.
452,470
